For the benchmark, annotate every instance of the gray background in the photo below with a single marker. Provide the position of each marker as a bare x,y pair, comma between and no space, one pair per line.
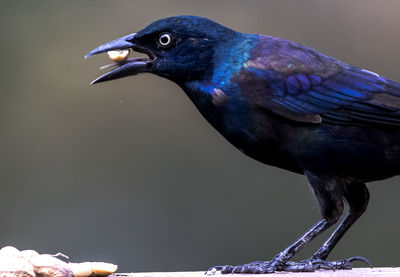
129,172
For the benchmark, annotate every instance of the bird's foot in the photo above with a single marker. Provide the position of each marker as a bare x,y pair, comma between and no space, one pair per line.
313,264
310,265
253,267
256,267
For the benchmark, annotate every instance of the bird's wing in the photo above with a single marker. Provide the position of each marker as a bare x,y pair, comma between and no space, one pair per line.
304,85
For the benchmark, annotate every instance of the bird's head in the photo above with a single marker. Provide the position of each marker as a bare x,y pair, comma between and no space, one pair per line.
180,48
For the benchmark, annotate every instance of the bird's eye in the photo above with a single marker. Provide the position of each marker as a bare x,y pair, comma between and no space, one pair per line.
165,39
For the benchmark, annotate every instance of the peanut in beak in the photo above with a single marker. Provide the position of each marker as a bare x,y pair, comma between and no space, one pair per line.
118,55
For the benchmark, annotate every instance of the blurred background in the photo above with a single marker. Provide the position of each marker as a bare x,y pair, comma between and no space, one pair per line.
129,172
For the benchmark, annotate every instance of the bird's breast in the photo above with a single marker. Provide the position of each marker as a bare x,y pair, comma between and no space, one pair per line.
250,130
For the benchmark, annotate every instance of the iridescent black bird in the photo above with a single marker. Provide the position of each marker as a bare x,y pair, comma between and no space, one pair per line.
285,105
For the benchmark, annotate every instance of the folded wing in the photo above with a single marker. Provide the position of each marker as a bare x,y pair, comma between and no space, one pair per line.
301,84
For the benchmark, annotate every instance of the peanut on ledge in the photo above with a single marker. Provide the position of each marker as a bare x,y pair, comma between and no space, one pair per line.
29,263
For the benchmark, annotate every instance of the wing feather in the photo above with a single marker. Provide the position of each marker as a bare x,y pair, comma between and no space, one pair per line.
304,85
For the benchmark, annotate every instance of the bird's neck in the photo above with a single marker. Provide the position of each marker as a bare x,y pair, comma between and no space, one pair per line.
230,57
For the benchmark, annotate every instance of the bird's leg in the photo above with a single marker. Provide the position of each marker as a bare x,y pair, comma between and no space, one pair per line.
330,193
279,262
330,196
318,258
357,196
289,252
330,243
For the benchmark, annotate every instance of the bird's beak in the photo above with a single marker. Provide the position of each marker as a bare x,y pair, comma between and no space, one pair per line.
127,67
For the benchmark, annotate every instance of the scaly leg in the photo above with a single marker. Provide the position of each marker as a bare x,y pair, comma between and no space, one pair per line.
279,262
330,193
357,196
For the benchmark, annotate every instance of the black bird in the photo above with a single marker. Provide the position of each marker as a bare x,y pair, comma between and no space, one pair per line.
285,105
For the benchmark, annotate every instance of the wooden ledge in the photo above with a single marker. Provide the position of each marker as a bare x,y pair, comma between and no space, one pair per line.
356,272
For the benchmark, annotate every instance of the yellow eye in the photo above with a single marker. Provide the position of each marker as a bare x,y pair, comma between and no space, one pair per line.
165,39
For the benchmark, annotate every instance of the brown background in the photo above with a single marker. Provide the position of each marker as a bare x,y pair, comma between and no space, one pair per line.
129,172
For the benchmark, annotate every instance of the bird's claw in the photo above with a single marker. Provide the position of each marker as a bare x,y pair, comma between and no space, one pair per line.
347,263
309,265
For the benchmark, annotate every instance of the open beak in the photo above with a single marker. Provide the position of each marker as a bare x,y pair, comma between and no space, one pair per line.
127,67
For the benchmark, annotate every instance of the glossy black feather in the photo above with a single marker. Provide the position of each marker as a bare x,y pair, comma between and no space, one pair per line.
312,87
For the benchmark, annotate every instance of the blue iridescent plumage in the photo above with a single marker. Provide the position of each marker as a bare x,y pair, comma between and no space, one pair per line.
315,84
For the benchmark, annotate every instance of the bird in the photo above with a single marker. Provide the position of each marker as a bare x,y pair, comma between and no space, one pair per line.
283,104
